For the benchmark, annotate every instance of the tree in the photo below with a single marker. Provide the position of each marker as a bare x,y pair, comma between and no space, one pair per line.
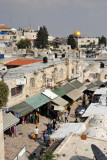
4,91
42,38
23,43
48,156
71,41
102,41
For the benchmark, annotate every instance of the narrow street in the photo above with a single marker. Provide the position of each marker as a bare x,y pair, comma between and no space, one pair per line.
14,145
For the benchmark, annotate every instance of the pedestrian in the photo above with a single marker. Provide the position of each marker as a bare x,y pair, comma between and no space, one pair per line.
62,117
46,137
90,98
54,123
49,126
57,116
68,108
15,130
76,114
12,131
66,116
76,121
44,132
36,132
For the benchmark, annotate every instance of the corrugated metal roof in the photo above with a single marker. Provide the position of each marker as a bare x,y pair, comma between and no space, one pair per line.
67,88
75,94
76,84
60,92
38,101
21,108
9,120
60,101
49,94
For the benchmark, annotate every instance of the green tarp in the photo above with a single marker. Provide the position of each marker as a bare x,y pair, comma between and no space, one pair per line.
60,92
38,101
21,109
76,84
67,88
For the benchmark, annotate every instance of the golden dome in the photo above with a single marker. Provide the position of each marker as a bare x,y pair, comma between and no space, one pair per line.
77,34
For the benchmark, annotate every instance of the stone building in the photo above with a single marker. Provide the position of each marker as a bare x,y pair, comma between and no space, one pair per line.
83,42
29,80
1,137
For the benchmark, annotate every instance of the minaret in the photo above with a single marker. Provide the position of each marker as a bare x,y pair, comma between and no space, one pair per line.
38,28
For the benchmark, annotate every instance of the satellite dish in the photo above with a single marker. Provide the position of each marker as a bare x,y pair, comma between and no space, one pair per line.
99,155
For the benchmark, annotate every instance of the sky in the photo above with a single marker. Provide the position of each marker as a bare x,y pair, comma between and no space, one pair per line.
61,17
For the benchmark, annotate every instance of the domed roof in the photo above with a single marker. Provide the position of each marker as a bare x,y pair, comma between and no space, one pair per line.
96,132
77,34
99,121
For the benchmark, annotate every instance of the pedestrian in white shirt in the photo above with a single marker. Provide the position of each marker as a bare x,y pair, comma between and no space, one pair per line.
66,116
36,130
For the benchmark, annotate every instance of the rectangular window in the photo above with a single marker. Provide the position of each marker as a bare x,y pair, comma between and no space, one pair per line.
44,78
32,82
73,70
52,76
15,91
61,73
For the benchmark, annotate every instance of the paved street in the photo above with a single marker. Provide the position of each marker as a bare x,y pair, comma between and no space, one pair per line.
14,145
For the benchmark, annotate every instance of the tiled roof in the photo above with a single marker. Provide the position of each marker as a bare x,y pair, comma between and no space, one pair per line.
19,62
29,28
3,27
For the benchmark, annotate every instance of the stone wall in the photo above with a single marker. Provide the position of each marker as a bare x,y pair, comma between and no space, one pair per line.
57,74
1,138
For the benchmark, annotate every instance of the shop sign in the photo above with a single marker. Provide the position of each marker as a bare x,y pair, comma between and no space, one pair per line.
21,81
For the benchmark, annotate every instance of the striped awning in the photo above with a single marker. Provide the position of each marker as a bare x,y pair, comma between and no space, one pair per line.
9,120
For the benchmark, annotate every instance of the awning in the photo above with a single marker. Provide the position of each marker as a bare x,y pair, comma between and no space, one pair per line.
93,89
75,94
60,101
9,120
38,101
100,91
49,94
67,88
78,85
60,92
58,108
82,89
21,109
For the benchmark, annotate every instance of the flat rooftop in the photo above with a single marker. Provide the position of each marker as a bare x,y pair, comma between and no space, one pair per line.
29,68
78,149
